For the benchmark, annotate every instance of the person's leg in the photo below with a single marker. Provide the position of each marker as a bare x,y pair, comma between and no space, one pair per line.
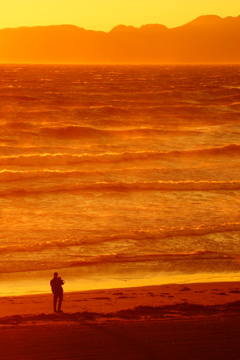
60,299
55,297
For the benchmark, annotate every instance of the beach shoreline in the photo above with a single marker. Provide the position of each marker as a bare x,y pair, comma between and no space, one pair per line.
177,321
117,299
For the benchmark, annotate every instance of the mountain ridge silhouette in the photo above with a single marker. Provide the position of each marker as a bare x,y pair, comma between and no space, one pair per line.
206,39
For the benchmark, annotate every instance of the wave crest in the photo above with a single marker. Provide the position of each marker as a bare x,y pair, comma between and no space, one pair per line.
136,235
70,159
85,132
111,186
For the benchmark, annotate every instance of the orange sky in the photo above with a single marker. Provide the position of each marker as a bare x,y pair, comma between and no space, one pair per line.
105,14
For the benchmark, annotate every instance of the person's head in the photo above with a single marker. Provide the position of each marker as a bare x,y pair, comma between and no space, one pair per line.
55,274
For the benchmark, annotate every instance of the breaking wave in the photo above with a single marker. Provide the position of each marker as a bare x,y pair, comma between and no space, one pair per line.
78,132
124,258
14,175
136,235
70,159
33,187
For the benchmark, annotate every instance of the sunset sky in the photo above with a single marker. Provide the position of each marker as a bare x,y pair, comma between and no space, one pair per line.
105,14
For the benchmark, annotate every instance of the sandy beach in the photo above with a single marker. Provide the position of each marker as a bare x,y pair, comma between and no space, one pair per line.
190,321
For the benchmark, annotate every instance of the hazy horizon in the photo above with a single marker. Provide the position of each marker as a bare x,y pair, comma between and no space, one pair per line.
120,24
104,15
204,40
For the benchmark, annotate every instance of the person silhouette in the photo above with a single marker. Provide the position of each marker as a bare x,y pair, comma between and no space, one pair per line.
57,290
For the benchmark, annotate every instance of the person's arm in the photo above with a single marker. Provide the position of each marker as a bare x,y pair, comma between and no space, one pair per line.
51,285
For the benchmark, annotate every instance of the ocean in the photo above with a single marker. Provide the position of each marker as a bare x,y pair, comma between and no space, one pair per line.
118,175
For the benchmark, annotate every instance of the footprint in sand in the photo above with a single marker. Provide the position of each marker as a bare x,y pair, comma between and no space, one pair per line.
101,298
118,293
221,293
185,289
127,297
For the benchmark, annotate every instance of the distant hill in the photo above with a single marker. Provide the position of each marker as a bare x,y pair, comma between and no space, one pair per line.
207,39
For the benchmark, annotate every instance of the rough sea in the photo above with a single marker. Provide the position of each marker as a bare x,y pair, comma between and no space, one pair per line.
118,175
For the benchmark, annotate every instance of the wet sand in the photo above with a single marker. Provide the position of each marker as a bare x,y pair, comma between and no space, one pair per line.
191,321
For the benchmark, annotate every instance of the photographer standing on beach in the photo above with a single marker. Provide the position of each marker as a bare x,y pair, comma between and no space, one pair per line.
57,290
